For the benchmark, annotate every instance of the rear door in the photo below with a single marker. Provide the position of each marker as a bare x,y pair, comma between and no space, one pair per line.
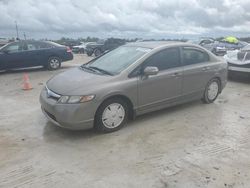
197,71
33,54
29,54
157,91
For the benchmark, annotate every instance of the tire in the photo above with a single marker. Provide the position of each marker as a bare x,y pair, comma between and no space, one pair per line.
212,91
81,51
97,52
111,115
89,53
54,63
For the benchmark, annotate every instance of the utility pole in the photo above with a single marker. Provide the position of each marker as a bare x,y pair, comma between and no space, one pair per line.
24,35
17,35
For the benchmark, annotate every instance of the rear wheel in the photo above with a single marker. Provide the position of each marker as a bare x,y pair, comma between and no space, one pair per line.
54,63
212,91
89,53
111,115
97,52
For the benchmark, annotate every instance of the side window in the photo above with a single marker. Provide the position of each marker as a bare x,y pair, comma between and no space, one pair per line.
12,48
165,59
31,46
194,56
44,45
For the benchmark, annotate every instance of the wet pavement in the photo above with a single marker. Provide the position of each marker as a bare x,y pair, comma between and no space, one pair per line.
191,145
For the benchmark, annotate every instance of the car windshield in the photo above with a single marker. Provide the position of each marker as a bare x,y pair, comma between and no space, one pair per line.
2,47
119,59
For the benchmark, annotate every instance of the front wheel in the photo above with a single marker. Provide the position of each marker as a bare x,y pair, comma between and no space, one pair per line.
54,63
212,91
111,115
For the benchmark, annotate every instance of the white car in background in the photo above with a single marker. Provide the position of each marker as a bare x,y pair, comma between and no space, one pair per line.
80,48
239,60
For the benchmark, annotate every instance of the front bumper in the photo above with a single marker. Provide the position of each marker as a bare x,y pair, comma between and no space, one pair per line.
244,68
239,69
71,116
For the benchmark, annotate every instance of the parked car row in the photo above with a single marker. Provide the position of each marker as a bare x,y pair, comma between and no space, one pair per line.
221,47
98,48
33,53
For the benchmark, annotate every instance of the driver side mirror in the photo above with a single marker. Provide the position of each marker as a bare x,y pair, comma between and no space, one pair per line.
150,71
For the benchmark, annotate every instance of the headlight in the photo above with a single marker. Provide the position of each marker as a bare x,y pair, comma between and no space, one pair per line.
75,99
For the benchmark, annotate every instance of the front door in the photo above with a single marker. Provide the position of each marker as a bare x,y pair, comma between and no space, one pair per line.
159,90
13,56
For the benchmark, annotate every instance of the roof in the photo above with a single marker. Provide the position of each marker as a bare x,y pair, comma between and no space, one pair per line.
153,44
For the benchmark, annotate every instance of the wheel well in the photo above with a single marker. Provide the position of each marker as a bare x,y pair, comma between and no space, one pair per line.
54,56
125,99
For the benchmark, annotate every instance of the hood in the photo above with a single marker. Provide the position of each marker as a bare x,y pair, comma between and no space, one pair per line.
77,82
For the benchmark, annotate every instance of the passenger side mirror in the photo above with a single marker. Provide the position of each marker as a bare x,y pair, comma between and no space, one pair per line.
150,71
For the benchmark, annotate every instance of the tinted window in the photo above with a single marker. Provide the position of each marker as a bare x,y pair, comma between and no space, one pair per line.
31,46
193,56
165,59
43,45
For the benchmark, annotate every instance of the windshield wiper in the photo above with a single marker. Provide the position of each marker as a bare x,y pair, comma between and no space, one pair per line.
84,67
101,70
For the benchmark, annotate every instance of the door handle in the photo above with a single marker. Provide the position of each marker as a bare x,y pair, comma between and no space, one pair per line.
205,68
176,74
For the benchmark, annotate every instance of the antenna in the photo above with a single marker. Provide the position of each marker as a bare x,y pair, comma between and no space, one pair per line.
17,35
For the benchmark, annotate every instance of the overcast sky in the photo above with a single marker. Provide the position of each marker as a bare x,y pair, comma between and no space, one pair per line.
125,18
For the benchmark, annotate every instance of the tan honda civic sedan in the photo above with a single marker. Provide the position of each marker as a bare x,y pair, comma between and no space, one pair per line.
131,80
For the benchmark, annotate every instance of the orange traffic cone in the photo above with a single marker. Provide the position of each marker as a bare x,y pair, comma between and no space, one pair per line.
26,82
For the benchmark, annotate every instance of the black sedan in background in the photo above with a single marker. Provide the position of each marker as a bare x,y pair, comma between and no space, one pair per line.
23,54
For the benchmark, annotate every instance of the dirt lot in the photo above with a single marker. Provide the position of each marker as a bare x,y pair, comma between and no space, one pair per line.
188,146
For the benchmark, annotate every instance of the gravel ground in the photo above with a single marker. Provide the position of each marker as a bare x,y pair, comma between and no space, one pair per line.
188,146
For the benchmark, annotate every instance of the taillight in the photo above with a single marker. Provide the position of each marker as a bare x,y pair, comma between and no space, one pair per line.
68,49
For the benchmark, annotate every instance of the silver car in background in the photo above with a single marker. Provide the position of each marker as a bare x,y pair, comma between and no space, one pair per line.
131,80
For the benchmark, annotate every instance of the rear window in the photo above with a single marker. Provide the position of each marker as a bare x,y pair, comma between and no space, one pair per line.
47,44
53,44
194,56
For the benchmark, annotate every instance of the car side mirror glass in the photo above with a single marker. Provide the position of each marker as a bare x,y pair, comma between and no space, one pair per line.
150,71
